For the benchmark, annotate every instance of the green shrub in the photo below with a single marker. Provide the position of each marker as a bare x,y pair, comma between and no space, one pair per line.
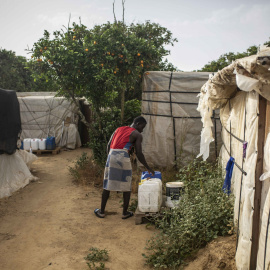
85,171
204,212
97,256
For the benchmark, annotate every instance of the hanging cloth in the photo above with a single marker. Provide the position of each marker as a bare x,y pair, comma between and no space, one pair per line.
227,182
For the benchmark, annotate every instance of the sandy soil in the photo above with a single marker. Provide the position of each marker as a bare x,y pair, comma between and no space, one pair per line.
50,224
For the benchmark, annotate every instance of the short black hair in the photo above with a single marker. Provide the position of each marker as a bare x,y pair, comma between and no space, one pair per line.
139,120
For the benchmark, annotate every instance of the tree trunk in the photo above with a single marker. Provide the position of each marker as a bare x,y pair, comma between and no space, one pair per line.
76,102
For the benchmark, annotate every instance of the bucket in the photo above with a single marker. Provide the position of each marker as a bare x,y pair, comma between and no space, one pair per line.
42,144
34,144
173,193
27,144
150,195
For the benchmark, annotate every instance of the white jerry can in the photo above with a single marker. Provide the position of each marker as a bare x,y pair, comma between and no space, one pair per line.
42,144
150,195
27,144
34,144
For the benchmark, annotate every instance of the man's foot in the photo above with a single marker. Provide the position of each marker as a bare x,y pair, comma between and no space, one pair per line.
98,214
128,215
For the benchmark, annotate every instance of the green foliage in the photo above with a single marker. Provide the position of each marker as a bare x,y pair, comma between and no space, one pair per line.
79,165
204,212
107,122
97,256
227,58
13,74
16,73
102,62
85,171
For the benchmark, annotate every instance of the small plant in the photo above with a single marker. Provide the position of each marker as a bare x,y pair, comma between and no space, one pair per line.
97,256
203,213
86,171
80,164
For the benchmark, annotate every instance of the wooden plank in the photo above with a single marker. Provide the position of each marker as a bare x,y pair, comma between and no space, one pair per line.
140,216
258,183
40,152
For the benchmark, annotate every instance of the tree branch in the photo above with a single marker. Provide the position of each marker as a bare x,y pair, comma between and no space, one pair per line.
123,5
114,12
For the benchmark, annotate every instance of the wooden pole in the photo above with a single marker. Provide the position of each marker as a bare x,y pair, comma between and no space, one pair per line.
258,183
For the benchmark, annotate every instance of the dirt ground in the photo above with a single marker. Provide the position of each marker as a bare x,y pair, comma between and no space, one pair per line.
50,224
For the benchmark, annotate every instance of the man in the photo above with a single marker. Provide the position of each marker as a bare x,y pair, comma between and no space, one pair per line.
118,171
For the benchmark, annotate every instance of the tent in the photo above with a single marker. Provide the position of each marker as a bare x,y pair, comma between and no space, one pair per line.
169,104
242,93
43,114
14,164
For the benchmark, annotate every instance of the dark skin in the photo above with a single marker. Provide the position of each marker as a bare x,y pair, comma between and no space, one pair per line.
136,139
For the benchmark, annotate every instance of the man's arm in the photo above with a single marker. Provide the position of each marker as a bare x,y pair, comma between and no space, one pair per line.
109,144
139,154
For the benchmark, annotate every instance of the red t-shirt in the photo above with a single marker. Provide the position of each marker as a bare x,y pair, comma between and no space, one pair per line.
120,138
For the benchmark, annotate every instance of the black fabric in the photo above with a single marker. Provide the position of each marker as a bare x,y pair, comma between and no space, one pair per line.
10,121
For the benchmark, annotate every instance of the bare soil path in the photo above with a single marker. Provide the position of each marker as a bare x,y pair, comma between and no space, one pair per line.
50,223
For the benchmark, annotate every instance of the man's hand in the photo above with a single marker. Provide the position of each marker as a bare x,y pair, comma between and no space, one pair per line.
151,171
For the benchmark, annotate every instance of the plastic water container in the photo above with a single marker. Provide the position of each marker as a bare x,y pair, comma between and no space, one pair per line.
34,144
42,144
27,144
173,193
50,143
21,147
146,175
150,195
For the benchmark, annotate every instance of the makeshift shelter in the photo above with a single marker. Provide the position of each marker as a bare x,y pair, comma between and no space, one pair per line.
242,93
169,103
43,114
14,171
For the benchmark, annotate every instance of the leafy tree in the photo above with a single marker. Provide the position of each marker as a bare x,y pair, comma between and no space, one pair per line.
103,64
16,74
13,74
227,58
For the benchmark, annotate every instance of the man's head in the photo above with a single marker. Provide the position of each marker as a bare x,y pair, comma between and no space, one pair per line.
139,123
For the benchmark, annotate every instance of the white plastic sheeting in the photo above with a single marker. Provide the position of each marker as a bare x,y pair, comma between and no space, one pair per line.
206,112
239,115
46,115
263,259
169,102
14,172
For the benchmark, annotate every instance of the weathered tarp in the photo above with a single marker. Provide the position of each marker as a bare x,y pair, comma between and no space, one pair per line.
169,104
235,90
45,115
14,172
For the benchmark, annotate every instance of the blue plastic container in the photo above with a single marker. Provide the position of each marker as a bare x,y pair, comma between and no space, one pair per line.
50,143
21,145
146,174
